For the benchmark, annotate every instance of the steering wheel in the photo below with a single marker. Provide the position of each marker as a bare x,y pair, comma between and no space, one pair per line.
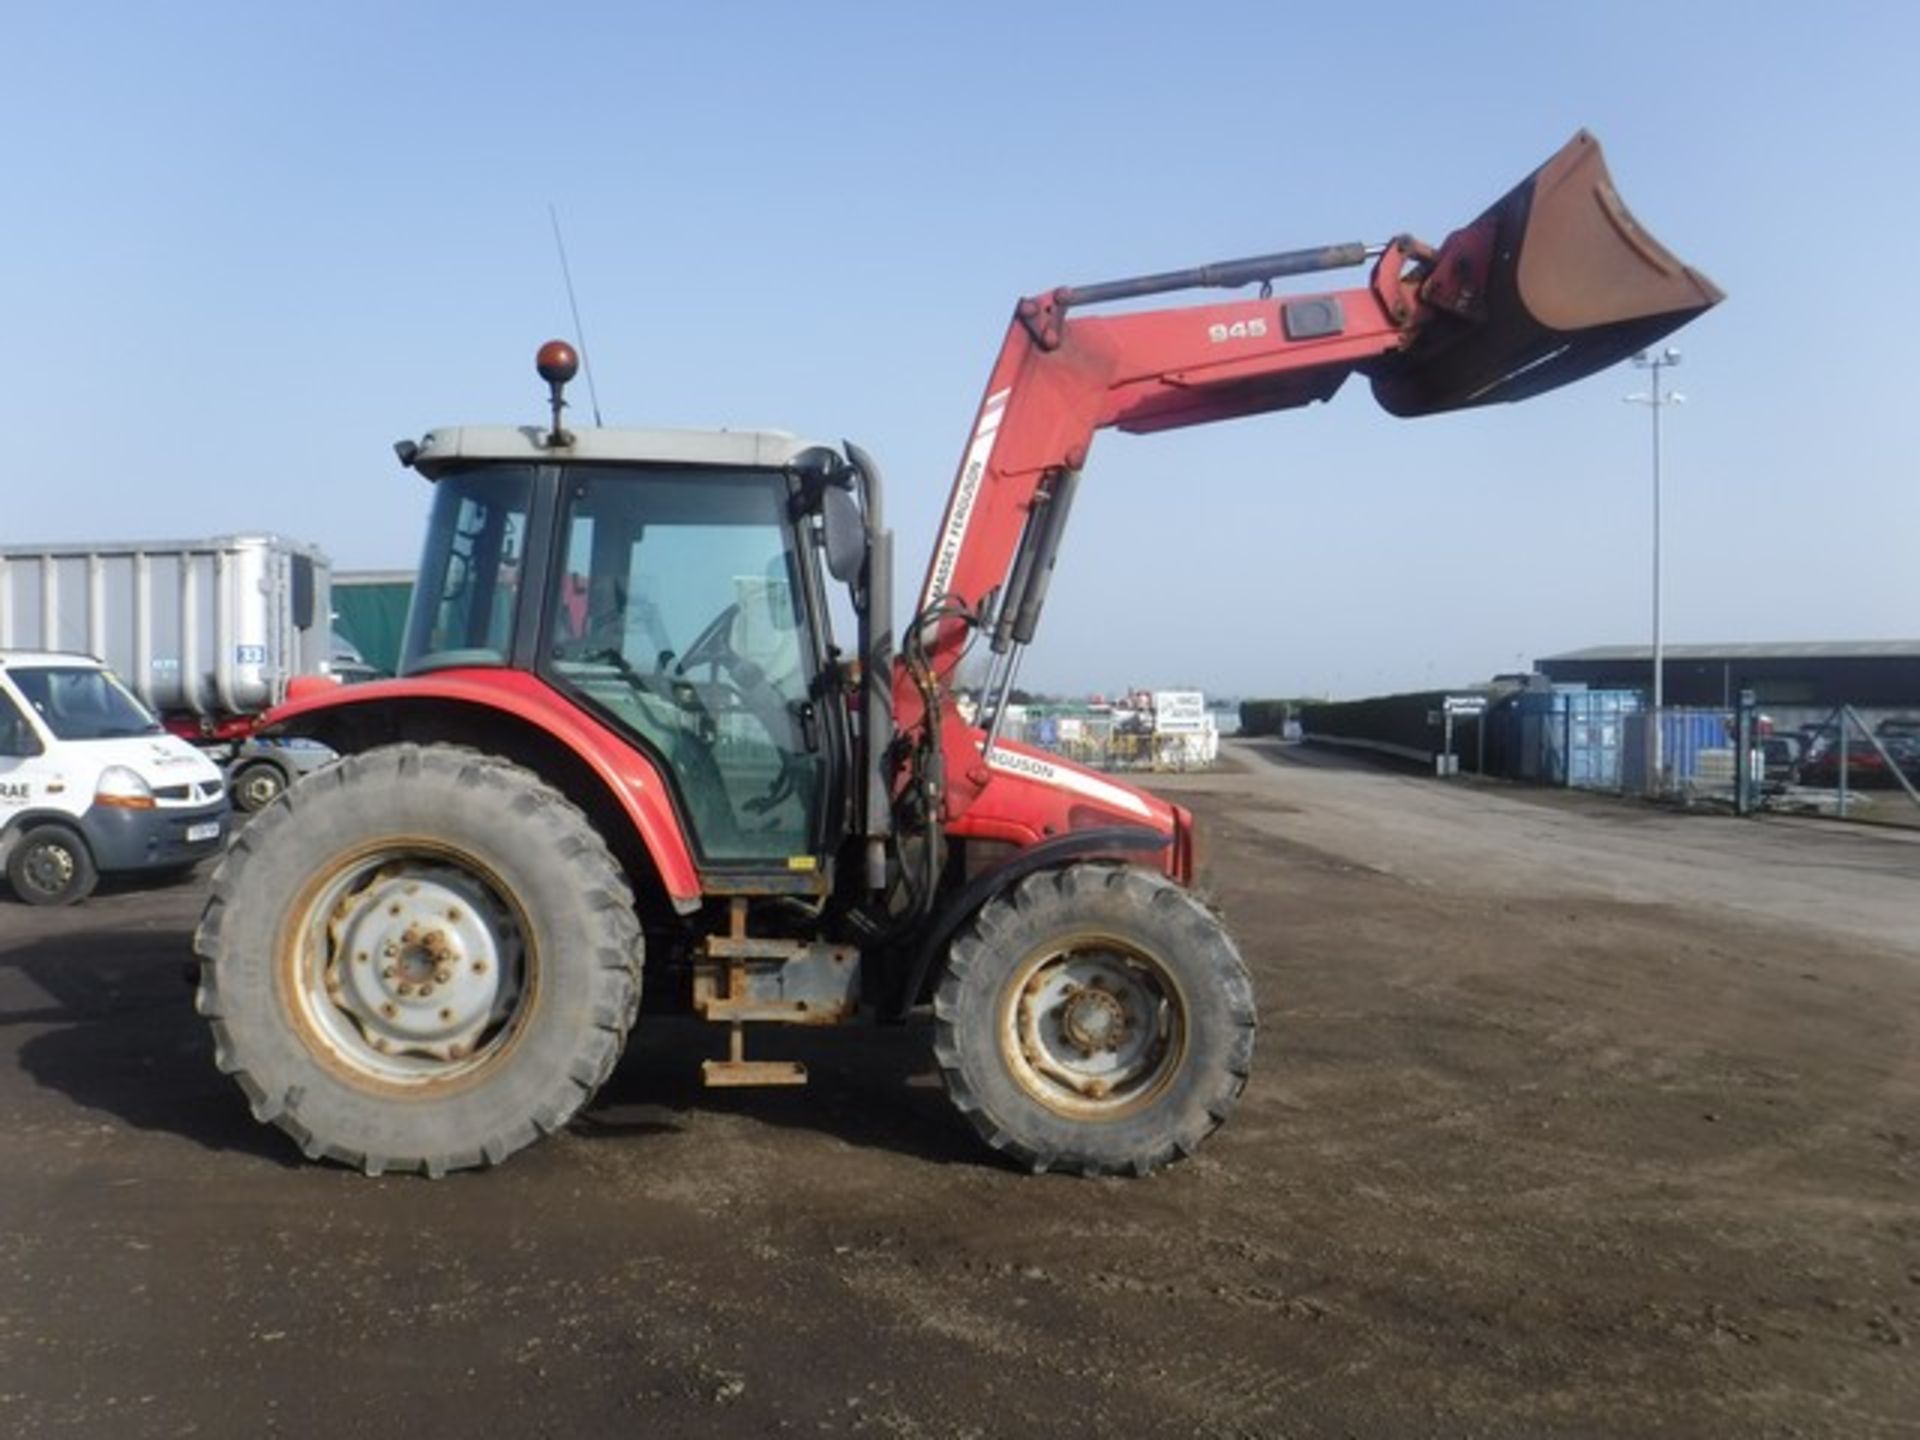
711,646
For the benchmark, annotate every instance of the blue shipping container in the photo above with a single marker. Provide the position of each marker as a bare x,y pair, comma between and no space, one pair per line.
1573,737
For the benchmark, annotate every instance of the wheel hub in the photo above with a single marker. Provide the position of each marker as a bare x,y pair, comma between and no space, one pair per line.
1091,1030
416,963
1092,1019
49,867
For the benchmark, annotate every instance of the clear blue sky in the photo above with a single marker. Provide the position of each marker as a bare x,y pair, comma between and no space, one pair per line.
248,247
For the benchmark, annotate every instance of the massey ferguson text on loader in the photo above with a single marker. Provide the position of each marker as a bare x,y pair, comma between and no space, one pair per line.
624,741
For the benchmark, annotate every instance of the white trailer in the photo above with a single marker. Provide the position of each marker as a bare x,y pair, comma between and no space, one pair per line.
208,633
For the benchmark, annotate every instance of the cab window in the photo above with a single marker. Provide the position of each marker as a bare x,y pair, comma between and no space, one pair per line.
679,613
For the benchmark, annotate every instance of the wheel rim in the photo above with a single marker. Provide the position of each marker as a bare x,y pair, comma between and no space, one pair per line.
408,967
259,789
1093,1028
49,867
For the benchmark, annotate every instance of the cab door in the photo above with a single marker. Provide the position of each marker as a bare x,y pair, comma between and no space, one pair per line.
679,613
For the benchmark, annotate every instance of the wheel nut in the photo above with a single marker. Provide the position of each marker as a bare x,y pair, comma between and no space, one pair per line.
442,975
425,990
405,988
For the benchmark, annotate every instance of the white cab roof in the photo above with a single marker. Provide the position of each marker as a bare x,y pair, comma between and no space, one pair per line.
743,449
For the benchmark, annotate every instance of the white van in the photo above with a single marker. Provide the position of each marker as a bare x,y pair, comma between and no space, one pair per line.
90,783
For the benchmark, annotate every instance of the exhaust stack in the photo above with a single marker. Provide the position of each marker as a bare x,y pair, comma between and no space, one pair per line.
1554,281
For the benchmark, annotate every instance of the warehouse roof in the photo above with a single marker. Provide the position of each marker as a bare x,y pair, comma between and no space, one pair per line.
1769,650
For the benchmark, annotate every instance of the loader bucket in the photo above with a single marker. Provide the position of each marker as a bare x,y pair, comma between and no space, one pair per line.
1555,281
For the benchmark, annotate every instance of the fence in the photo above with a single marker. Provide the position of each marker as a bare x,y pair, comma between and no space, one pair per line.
1106,741
1851,763
1848,763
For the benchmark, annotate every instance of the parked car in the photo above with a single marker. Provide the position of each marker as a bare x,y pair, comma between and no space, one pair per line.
90,783
346,663
263,767
1867,768
1782,756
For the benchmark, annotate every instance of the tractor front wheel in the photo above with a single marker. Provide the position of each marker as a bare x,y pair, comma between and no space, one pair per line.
1096,1019
422,959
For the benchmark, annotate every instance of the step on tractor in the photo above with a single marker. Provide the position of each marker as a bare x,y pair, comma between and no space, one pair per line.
626,744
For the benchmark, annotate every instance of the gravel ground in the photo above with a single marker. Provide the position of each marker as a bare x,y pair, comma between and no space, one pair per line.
1569,1118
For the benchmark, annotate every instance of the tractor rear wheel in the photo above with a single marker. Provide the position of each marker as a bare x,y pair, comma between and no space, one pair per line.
421,959
1096,1019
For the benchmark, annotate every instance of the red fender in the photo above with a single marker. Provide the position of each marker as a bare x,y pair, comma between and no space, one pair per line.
634,780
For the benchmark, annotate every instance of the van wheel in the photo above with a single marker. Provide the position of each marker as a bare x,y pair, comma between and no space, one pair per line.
257,786
51,866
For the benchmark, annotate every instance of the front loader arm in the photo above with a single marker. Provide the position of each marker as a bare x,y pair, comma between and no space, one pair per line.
1554,281
1060,378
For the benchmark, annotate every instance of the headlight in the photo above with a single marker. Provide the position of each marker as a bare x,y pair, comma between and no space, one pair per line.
123,788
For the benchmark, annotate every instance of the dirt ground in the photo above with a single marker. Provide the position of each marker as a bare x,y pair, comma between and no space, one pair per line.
1569,1118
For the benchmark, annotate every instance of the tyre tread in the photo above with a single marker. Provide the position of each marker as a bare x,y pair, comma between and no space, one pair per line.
1027,908
533,803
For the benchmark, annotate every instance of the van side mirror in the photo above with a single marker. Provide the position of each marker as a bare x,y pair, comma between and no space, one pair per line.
845,534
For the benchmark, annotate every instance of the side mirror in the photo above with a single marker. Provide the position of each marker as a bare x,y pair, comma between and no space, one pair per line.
845,533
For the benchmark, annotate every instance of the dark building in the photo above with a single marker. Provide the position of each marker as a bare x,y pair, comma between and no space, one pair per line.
1881,675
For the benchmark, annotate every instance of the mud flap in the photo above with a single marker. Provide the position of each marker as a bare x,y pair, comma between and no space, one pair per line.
1553,282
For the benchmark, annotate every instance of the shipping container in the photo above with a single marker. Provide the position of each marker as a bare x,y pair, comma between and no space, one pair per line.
202,630
1696,751
370,610
1564,736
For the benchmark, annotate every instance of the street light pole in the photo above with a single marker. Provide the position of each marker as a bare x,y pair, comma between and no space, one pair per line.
1656,402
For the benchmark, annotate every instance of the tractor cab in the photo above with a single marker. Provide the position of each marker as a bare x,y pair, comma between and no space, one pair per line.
669,583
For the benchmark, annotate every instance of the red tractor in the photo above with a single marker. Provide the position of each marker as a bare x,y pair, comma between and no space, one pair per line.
625,742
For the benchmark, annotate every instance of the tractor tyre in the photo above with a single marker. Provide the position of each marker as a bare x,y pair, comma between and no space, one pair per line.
422,958
1095,1019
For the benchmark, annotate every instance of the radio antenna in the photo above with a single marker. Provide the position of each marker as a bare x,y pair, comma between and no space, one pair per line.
566,274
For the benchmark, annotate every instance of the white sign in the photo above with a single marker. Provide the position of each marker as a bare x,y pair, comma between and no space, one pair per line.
1179,712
